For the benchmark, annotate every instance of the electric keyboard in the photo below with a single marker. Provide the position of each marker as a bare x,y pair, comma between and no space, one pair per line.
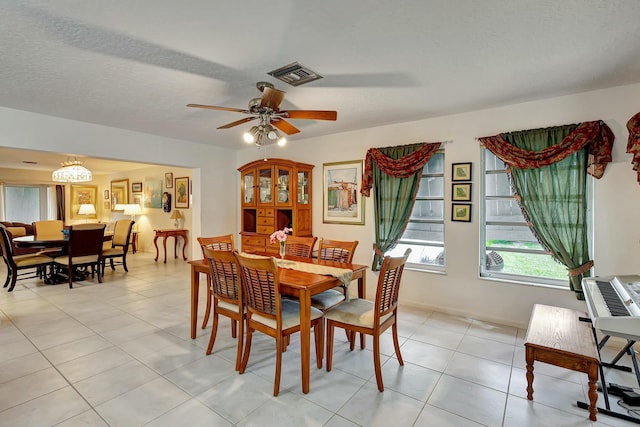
614,305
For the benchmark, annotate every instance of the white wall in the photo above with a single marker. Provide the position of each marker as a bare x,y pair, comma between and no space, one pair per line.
460,290
215,208
211,167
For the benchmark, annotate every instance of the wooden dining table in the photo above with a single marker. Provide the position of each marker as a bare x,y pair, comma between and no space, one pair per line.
295,283
51,241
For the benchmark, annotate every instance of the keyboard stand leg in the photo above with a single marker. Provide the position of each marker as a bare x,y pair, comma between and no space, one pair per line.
628,350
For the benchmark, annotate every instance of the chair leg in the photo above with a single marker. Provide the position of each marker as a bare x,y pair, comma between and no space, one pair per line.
247,350
239,353
207,310
329,360
124,263
113,266
6,282
352,340
214,331
276,381
14,279
234,329
99,273
376,361
396,344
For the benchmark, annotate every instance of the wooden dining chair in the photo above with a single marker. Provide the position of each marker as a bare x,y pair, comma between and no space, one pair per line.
217,243
228,299
84,250
119,245
270,314
15,263
371,318
337,251
300,246
48,229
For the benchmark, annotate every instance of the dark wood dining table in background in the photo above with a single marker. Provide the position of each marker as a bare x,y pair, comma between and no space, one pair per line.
299,284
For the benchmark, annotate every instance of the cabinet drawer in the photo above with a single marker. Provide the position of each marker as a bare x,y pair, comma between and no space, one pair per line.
273,249
266,212
265,220
253,249
265,229
253,241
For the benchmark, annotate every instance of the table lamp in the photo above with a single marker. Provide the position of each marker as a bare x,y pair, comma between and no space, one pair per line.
132,210
176,216
87,209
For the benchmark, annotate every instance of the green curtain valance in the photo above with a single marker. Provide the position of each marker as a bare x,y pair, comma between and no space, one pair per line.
597,135
633,145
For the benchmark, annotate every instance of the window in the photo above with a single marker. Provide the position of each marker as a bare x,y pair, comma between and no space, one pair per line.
510,249
26,203
425,232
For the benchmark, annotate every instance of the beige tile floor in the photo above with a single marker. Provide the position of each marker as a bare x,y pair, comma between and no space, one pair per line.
119,354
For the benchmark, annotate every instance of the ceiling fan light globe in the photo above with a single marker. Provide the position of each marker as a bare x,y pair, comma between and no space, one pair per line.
248,137
272,135
282,141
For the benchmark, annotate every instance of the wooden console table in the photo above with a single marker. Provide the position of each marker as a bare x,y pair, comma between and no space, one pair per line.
171,233
558,337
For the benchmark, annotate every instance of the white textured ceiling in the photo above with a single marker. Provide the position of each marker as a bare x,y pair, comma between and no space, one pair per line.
136,64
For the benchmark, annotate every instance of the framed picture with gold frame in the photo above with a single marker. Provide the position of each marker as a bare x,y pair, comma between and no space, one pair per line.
82,195
182,193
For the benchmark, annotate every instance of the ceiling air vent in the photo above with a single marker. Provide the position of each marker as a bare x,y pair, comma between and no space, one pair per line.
295,74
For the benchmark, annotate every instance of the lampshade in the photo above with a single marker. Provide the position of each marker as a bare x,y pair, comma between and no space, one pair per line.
264,134
72,171
176,215
87,209
133,209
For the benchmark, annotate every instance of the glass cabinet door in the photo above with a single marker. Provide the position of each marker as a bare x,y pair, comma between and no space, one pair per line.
248,188
303,187
283,186
265,186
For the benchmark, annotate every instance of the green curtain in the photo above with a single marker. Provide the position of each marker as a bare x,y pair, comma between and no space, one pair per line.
553,199
393,201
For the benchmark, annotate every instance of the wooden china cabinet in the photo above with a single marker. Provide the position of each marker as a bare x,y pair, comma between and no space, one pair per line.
276,193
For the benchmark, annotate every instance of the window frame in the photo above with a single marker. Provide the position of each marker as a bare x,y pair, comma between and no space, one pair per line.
484,249
404,242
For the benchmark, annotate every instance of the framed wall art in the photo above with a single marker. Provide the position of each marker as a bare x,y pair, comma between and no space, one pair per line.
461,212
341,201
152,193
119,194
168,180
136,187
461,192
182,192
82,195
106,205
461,172
106,194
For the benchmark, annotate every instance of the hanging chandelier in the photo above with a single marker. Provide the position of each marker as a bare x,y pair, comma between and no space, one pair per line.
72,171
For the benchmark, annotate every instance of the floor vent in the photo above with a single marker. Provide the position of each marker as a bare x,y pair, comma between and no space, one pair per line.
295,74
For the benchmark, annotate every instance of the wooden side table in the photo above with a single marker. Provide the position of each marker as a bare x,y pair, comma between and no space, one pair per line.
134,241
175,233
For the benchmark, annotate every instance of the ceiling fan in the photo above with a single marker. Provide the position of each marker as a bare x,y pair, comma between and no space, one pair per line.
267,110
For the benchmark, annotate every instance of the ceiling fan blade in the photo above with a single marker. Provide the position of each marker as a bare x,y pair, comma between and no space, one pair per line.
312,114
271,98
213,107
285,126
237,122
